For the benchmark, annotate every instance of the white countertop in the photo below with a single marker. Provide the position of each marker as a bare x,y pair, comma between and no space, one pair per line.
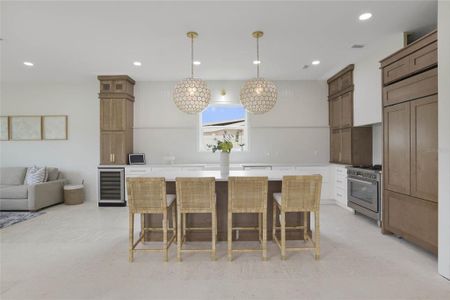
210,165
273,175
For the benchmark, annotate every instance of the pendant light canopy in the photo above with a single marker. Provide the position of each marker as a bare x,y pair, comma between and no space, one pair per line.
258,95
191,95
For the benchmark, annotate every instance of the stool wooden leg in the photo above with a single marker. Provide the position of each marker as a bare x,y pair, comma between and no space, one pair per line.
131,236
230,236
259,227
142,218
164,225
264,235
184,225
283,234
317,235
214,234
305,226
179,239
174,221
274,220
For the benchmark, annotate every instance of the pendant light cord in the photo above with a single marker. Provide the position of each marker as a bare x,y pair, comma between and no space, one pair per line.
192,57
257,57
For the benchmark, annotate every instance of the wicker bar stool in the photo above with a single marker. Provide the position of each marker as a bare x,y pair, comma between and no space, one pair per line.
148,196
248,195
196,195
298,194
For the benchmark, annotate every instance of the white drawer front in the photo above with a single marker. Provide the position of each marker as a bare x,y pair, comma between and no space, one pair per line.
341,196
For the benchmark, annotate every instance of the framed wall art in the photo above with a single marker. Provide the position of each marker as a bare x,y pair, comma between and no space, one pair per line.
4,128
54,127
25,128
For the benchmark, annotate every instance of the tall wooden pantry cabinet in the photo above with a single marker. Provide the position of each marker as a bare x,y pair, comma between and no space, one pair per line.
348,145
410,154
116,119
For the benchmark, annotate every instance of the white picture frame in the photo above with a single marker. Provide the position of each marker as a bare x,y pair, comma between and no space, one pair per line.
26,128
54,127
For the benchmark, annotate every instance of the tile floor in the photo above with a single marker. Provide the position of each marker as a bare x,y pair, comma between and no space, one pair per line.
80,252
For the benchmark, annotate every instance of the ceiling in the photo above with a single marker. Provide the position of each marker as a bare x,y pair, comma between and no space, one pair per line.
75,41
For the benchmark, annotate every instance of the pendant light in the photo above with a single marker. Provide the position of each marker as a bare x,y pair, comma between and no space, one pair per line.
258,95
191,95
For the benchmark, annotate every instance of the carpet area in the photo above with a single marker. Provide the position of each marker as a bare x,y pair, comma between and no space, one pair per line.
8,218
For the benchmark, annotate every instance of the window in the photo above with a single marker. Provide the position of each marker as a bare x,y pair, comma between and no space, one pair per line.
225,121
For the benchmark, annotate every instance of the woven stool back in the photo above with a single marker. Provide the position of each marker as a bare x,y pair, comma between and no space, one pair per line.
247,194
196,194
301,193
146,194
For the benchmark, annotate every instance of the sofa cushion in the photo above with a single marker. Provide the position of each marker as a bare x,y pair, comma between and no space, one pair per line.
52,173
12,175
36,175
14,192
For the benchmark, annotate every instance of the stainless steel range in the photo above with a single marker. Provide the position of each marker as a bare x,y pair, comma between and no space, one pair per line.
364,190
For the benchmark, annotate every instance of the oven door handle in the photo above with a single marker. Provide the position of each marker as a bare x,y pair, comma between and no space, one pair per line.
362,181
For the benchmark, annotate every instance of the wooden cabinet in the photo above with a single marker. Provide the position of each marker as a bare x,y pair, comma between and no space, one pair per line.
341,111
415,58
347,110
352,146
424,151
397,146
116,119
415,87
348,144
335,112
410,171
412,218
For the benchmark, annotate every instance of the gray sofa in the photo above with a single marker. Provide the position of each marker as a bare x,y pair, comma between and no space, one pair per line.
15,195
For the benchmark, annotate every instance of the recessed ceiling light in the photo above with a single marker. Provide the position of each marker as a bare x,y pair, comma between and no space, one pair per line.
365,16
137,63
197,63
357,46
28,64
256,62
316,62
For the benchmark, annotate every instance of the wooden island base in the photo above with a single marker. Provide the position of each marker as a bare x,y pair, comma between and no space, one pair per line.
241,220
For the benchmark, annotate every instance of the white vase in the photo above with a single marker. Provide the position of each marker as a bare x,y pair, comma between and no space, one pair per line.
224,164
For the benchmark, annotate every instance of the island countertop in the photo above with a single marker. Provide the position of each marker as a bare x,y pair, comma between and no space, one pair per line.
171,175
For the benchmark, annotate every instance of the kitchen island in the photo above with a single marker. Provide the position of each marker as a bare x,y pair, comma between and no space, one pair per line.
242,220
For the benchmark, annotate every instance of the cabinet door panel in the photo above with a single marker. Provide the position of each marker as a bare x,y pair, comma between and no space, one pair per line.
113,114
424,58
346,146
396,168
424,148
412,218
336,112
113,147
333,87
347,109
335,145
105,149
346,80
415,87
396,70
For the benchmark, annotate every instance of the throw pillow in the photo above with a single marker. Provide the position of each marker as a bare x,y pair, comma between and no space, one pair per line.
36,175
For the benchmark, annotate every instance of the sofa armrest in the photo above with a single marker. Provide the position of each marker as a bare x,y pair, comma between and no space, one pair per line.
45,194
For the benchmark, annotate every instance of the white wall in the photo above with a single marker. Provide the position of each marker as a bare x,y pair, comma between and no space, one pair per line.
367,107
444,136
78,156
296,130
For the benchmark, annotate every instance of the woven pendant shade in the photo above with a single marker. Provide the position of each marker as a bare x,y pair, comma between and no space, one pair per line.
191,95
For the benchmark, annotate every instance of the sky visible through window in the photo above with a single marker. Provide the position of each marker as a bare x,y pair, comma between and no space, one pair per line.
217,114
